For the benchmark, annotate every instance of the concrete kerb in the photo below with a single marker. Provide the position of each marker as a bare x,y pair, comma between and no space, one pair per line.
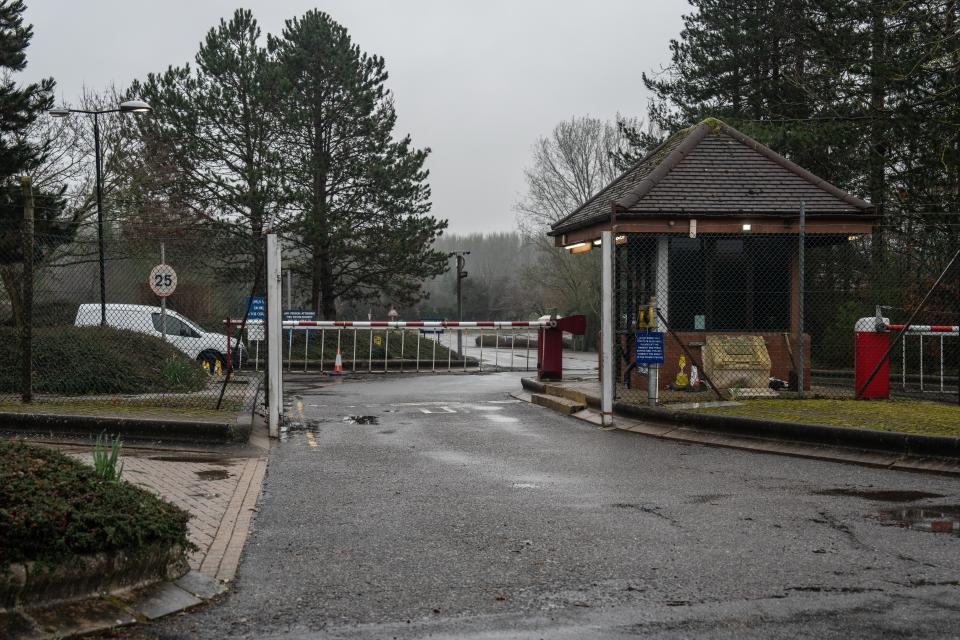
108,610
231,429
791,432
81,577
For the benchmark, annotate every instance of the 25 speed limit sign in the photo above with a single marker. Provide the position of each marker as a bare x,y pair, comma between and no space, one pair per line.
163,280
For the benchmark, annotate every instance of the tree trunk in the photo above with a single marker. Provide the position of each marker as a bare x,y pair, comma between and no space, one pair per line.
877,150
11,283
258,250
327,298
315,300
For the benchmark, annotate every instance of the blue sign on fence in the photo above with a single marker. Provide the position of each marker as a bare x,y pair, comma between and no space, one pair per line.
257,307
649,347
299,314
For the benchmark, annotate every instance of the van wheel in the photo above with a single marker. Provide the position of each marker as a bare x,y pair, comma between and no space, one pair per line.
211,358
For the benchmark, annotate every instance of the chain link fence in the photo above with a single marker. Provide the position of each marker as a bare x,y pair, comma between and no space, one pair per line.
750,315
131,347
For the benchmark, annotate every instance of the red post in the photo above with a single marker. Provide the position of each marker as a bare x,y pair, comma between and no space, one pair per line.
229,340
870,346
550,346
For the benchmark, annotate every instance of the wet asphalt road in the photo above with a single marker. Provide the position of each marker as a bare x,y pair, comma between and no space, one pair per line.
461,513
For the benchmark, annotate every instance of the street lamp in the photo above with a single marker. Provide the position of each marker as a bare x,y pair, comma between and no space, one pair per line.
461,274
130,106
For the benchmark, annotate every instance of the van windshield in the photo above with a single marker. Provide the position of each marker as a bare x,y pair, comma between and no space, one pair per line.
174,326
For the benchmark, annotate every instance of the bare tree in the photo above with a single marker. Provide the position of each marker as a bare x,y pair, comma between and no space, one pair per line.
569,166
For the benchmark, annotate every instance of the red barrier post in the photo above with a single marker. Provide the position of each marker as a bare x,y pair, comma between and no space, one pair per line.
870,346
229,340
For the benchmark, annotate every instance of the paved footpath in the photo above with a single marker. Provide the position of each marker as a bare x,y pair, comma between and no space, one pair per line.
437,506
218,487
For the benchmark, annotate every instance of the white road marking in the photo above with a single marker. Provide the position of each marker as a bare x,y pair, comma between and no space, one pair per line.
496,417
442,410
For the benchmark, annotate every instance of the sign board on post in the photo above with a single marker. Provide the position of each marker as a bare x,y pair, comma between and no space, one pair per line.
256,306
649,347
163,280
428,330
299,314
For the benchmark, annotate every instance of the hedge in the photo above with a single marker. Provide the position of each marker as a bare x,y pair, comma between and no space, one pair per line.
98,360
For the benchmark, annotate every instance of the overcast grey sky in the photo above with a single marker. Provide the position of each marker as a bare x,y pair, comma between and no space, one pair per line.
477,81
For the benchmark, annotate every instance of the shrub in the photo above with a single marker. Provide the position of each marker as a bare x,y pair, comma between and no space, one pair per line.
53,507
98,360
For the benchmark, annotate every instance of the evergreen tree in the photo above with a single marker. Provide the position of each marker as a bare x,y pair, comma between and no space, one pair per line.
20,153
362,198
210,149
20,106
864,94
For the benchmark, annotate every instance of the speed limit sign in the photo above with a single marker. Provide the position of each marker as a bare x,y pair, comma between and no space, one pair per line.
163,280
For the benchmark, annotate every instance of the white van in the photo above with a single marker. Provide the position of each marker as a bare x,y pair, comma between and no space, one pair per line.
182,333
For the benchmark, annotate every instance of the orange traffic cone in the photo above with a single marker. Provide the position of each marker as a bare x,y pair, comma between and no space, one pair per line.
338,364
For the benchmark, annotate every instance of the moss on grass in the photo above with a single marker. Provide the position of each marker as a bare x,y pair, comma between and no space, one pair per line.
904,416
123,407
53,507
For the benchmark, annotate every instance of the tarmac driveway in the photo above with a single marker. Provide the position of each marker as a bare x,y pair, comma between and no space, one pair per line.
414,506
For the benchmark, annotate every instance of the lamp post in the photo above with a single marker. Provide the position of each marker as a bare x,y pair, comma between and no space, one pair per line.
461,274
130,106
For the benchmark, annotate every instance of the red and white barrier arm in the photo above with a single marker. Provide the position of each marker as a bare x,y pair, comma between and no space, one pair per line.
404,324
944,329
416,324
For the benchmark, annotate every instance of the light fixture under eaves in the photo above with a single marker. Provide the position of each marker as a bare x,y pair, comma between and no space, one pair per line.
579,247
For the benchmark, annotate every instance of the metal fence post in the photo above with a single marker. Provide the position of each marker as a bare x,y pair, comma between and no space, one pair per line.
274,337
26,320
163,307
653,370
606,328
801,351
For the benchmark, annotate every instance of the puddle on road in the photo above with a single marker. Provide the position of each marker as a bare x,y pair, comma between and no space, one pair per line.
362,420
213,474
935,518
298,426
225,462
880,495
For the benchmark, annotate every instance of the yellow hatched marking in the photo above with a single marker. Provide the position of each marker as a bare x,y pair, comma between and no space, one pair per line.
311,440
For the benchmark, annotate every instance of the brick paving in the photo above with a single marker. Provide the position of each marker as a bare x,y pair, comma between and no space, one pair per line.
220,493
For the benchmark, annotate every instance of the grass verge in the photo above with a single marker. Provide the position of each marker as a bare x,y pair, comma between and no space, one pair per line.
53,507
122,407
903,416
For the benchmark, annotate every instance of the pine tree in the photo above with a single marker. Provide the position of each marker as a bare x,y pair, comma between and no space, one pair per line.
362,197
210,143
20,106
20,153
864,94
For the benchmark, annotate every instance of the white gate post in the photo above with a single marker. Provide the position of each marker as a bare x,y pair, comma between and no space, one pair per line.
606,328
274,341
